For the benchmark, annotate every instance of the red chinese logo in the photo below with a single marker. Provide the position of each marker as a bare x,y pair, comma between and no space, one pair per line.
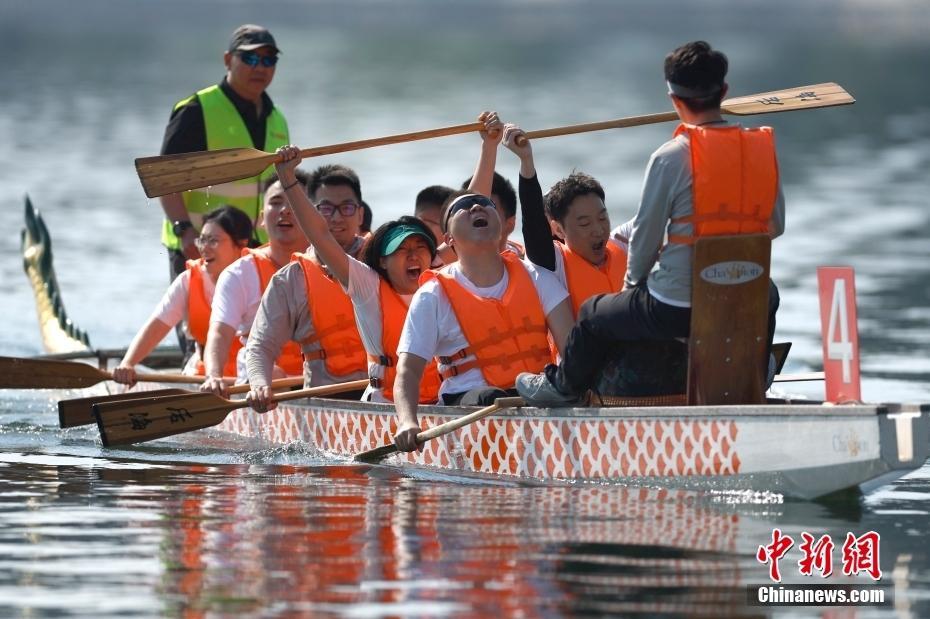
773,552
817,555
860,554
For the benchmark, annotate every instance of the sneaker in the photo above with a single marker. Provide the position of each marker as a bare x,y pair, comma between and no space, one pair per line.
536,390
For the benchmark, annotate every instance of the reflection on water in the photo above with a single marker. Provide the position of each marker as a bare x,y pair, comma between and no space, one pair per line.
110,536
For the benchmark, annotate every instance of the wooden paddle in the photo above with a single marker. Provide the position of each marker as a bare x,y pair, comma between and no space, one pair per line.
828,94
146,419
19,373
376,455
172,173
79,411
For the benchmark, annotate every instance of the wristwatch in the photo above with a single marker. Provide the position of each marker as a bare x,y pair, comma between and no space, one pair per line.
178,227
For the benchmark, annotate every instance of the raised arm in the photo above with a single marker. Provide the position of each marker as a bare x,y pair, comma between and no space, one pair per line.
483,178
314,225
537,235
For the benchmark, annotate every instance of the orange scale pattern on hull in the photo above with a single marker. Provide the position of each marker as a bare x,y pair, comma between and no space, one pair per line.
542,448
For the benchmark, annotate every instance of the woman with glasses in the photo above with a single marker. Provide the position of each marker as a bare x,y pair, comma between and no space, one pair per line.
226,231
379,283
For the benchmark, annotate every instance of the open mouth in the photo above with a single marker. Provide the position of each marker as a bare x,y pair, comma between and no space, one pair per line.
599,246
414,272
480,222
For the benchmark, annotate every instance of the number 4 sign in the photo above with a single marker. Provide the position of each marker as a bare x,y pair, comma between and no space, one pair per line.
840,334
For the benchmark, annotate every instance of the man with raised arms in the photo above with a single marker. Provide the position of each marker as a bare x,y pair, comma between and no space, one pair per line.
239,290
305,303
485,317
683,198
585,259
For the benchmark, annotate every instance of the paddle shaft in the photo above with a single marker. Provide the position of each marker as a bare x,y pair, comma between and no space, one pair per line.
377,454
802,97
174,173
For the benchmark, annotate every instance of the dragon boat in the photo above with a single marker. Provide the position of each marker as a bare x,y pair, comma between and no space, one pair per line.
805,449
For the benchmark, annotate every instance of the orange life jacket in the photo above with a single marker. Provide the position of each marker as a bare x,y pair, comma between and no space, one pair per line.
507,336
198,319
734,181
586,280
333,322
290,360
393,314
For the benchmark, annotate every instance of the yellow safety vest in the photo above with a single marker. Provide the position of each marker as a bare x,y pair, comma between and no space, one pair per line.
226,129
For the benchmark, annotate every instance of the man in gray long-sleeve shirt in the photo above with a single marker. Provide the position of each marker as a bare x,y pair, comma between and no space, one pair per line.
656,303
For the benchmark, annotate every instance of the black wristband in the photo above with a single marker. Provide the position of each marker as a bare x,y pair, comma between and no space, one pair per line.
179,227
291,185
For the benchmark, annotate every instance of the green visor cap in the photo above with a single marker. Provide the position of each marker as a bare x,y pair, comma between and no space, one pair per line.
396,236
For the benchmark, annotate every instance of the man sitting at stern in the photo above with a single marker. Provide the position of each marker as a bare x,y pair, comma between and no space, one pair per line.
683,196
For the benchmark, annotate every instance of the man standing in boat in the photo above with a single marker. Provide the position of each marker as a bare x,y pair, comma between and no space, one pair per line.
236,113
485,317
681,197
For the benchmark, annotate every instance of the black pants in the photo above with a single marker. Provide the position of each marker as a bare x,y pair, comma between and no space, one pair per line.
606,321
477,397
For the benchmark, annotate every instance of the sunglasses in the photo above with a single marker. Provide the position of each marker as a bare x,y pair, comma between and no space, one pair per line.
465,202
346,209
252,59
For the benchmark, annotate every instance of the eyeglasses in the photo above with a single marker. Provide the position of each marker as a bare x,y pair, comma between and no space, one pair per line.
252,59
207,241
346,209
465,202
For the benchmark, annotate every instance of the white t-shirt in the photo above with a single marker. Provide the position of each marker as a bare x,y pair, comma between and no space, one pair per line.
432,330
172,308
238,293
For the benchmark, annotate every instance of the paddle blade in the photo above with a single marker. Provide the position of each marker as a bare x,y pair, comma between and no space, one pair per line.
146,419
18,373
376,455
828,94
79,411
173,173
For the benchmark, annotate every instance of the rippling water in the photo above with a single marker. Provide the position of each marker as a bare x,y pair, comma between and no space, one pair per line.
185,528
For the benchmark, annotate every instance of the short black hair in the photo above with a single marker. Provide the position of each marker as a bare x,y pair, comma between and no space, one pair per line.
233,221
503,189
432,196
371,251
366,217
333,174
563,193
698,67
302,177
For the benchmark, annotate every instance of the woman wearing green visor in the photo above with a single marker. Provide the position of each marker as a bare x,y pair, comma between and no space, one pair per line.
380,285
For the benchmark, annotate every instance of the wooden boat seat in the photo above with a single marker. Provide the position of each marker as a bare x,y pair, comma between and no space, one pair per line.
727,359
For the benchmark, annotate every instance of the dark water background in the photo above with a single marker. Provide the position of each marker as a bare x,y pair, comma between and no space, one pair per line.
184,528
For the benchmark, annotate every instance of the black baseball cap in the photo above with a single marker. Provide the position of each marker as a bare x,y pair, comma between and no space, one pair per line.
250,37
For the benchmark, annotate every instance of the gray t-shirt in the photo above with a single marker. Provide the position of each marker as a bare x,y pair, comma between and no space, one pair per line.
666,196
